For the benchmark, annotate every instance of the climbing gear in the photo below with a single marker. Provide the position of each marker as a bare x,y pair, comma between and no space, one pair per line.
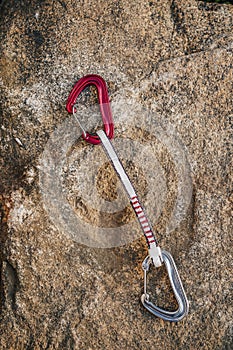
156,255
154,249
177,287
104,103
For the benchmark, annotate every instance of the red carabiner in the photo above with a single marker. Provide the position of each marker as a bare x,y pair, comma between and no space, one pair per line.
104,103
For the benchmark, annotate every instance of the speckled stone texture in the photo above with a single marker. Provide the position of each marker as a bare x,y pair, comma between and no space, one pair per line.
173,58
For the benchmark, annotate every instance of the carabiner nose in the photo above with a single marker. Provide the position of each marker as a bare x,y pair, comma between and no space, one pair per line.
183,305
104,103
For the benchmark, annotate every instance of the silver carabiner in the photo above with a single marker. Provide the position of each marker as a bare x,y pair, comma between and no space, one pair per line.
183,305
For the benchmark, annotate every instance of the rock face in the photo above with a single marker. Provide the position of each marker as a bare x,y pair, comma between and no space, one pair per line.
67,282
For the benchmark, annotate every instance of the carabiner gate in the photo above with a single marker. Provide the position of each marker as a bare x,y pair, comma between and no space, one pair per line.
177,287
104,103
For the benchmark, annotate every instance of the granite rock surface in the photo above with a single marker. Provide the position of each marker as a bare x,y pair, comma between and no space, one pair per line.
71,250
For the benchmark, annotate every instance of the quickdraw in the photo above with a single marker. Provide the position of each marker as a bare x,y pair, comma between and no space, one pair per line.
156,256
